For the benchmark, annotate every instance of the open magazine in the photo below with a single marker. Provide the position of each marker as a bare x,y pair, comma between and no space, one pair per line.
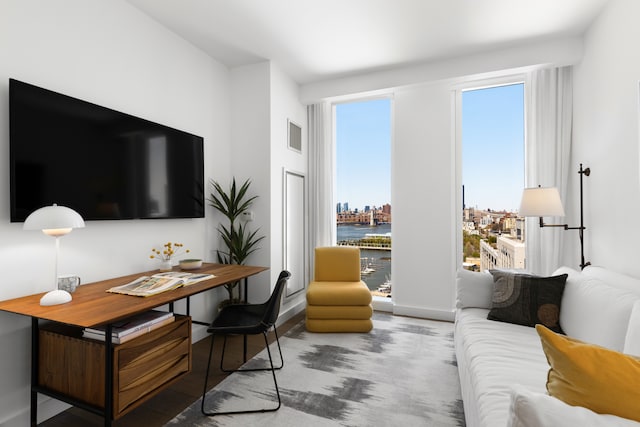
150,285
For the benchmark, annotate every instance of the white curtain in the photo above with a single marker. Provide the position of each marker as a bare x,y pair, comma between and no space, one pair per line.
322,229
548,150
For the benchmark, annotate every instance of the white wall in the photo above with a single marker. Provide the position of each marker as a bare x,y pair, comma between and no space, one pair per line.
263,98
422,199
111,54
250,134
605,138
285,105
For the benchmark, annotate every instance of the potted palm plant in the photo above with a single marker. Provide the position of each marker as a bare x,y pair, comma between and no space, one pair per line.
240,242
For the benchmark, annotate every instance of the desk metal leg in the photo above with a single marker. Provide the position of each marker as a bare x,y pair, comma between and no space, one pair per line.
108,376
244,339
35,350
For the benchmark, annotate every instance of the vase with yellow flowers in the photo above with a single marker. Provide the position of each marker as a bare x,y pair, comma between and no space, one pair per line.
167,253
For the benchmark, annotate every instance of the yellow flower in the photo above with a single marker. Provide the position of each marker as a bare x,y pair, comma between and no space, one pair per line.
169,251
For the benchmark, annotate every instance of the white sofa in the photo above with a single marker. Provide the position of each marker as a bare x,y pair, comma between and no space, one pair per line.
503,369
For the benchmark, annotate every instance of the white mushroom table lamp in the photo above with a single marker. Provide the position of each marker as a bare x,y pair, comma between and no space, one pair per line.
55,221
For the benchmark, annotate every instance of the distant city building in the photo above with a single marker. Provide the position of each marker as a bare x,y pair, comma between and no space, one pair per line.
488,256
509,253
367,208
338,207
370,217
486,221
345,207
512,253
468,214
469,227
519,230
508,223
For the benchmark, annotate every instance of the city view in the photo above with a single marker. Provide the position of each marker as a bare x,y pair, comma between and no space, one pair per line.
363,176
492,173
370,230
493,176
492,239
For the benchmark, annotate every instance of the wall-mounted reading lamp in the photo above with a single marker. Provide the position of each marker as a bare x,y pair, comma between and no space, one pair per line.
545,201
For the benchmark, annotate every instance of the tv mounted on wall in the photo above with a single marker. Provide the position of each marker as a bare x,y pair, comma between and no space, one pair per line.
102,163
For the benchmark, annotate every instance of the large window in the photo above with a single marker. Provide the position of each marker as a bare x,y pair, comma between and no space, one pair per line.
493,177
363,187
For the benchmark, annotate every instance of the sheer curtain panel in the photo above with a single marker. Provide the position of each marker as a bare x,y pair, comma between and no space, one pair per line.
322,230
547,154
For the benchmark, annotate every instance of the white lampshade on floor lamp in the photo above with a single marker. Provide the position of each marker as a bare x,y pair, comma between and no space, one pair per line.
55,221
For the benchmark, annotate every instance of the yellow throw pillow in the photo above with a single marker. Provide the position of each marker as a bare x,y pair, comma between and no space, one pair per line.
581,374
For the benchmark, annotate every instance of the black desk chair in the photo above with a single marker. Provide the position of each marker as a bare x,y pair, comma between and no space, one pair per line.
248,319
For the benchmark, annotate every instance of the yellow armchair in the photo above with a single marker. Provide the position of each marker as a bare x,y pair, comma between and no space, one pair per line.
337,300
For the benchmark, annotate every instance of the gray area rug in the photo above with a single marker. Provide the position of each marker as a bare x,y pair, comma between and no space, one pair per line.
403,373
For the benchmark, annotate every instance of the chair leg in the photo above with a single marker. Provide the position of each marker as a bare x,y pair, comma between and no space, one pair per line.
275,382
206,377
224,345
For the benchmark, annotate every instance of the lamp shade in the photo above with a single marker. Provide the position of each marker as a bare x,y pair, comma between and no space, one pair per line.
541,201
53,220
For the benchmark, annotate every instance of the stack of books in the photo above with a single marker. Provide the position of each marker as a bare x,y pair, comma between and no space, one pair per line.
131,327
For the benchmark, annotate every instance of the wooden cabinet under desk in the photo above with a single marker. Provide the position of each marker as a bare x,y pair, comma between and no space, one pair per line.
142,367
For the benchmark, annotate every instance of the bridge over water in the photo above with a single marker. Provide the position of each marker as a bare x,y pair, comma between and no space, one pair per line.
376,246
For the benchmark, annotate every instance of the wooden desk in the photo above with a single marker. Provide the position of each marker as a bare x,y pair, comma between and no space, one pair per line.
93,306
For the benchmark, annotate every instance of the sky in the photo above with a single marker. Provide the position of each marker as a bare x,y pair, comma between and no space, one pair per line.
492,149
363,151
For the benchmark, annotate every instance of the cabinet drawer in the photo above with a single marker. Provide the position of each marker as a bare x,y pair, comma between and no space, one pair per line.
142,366
150,362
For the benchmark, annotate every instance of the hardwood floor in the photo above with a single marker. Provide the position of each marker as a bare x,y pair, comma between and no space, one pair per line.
170,402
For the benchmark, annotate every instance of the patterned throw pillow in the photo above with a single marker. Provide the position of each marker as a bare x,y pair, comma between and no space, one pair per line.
527,300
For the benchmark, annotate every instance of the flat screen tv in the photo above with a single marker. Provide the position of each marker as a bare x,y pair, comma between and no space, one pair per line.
102,163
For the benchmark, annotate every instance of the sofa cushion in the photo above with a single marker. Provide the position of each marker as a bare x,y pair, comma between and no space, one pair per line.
529,409
491,357
473,289
339,312
337,263
632,339
593,311
613,278
338,293
526,299
581,374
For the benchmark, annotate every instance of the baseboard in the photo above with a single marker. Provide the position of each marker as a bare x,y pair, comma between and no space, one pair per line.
382,304
291,311
198,332
47,408
425,313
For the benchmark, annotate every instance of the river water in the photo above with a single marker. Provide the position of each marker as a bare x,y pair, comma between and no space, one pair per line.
379,261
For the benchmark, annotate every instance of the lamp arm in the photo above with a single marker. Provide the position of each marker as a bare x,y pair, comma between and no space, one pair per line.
582,172
565,226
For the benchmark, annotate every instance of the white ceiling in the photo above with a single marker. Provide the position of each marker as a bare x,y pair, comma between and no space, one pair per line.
314,40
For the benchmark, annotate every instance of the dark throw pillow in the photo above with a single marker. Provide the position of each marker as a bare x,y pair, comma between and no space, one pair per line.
526,300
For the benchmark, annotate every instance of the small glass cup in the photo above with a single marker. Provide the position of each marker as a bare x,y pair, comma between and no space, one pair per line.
68,282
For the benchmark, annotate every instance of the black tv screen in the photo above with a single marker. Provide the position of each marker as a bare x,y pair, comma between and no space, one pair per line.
102,163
